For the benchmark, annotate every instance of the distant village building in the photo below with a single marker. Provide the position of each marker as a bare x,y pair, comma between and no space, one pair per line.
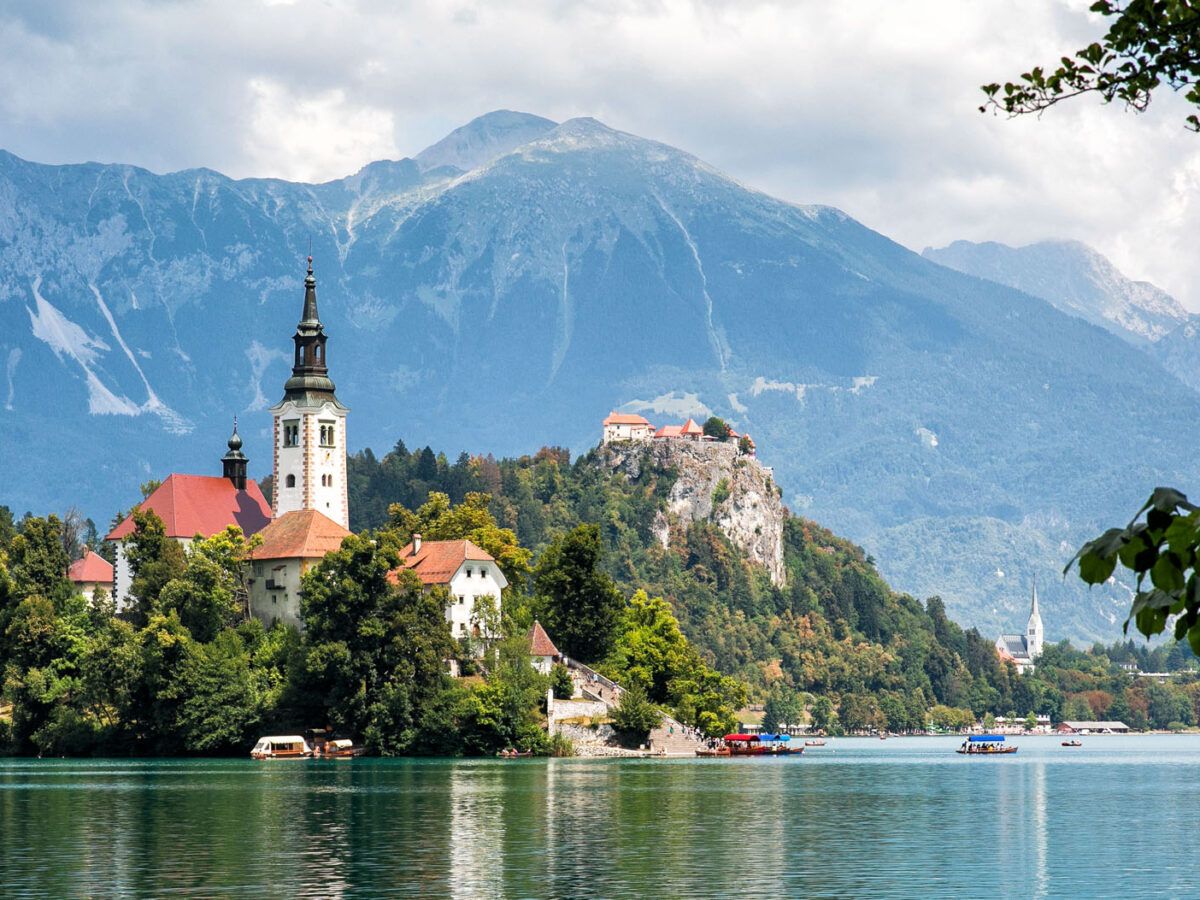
91,573
192,506
291,545
542,651
466,571
1092,728
626,427
1024,649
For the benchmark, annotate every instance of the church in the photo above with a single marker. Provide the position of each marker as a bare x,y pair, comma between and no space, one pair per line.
1024,649
311,513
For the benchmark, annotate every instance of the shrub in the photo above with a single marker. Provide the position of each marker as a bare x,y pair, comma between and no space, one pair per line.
635,714
721,492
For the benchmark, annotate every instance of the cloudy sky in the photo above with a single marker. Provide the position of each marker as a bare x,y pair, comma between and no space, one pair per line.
867,105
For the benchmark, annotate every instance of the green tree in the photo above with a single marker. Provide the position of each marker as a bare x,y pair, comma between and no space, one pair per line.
822,714
211,593
635,714
717,428
561,683
154,559
579,603
783,707
376,650
37,561
1149,44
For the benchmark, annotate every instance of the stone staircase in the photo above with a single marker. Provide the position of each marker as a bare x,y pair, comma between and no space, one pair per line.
670,738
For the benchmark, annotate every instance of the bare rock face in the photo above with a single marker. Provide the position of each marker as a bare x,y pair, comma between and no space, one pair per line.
714,483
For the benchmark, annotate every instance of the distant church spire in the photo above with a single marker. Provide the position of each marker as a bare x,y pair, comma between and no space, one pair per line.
1035,635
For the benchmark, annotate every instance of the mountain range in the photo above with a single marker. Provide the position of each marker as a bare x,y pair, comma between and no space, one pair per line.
511,284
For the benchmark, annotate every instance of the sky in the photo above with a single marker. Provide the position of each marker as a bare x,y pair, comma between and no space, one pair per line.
869,105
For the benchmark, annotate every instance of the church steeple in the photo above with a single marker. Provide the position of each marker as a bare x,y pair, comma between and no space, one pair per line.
310,426
310,372
233,463
1034,633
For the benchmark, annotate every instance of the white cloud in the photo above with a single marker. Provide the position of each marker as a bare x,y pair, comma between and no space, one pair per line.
869,106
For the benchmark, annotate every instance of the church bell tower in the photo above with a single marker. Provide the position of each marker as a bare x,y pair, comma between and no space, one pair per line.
1035,636
310,426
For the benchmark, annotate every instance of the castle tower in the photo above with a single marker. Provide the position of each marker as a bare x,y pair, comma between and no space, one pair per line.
1034,634
310,426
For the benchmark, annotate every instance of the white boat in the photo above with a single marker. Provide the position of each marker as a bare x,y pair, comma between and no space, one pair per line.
281,746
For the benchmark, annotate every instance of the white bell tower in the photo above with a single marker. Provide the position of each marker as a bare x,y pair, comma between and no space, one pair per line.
1035,636
310,426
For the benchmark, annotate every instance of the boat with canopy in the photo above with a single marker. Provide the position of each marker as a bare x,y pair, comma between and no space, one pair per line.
985,745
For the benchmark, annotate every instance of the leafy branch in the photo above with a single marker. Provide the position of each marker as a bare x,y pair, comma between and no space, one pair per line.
1163,547
1150,43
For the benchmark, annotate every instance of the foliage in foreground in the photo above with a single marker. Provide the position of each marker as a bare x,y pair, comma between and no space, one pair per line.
1150,44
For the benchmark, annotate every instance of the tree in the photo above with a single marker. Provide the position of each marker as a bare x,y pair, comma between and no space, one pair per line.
211,593
154,558
579,602
1030,721
783,707
635,714
37,561
1149,44
561,683
375,650
822,714
717,428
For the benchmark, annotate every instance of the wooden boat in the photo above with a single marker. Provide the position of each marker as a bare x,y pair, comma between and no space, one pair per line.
339,748
1072,743
744,745
285,746
514,754
713,751
816,743
985,745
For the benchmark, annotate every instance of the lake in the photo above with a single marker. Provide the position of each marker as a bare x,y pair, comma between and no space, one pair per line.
899,818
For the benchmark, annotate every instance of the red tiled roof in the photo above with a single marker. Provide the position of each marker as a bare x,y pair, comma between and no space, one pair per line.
437,561
616,418
690,427
300,534
540,643
668,431
91,568
203,505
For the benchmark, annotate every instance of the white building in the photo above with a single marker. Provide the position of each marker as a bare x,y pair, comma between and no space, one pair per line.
470,576
310,426
542,652
91,573
1024,649
626,427
291,545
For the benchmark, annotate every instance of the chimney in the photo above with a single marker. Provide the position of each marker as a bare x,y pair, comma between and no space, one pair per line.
416,542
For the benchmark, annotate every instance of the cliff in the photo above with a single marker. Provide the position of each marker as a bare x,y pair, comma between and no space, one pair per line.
713,482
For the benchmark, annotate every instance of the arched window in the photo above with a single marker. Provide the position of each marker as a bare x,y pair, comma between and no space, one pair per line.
318,352
291,481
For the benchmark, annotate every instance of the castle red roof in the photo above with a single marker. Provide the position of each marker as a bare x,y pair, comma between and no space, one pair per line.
204,505
92,568
540,643
616,418
437,561
690,427
300,534
668,431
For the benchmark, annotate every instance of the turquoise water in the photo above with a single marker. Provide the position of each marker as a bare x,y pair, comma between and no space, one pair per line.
896,818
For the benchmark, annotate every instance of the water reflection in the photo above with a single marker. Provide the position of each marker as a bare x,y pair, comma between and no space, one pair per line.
856,818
